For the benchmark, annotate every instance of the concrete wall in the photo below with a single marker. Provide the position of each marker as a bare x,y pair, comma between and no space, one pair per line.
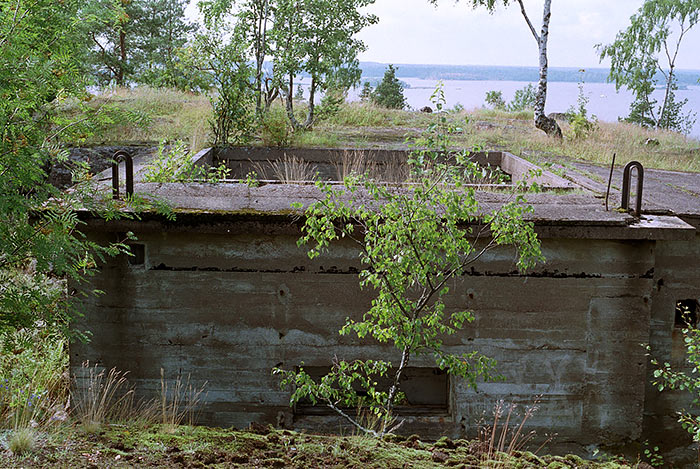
676,277
228,305
334,164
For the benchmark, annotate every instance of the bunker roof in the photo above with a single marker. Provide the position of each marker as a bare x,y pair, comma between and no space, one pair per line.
575,208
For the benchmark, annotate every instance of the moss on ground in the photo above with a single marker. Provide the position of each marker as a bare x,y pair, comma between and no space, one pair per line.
157,446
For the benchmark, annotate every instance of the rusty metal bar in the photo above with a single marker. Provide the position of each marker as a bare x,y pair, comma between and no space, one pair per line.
115,180
607,194
627,182
129,163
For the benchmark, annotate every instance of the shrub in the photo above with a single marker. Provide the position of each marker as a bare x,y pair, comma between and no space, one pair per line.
666,377
175,164
524,99
366,93
274,128
495,100
331,103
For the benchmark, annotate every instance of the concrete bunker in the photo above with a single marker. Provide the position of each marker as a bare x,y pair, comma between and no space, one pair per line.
224,294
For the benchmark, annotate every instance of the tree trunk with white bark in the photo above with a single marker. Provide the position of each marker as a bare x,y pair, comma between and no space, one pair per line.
542,122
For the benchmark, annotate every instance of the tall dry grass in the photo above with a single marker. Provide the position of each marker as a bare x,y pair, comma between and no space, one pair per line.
179,402
630,142
155,114
506,435
173,115
363,162
287,170
101,396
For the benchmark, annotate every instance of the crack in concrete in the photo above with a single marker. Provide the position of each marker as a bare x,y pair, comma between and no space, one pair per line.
333,270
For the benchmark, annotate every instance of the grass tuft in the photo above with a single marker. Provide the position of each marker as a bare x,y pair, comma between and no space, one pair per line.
101,396
179,402
22,441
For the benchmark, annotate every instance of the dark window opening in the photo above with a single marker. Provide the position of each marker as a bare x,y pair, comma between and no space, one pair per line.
687,313
426,392
138,254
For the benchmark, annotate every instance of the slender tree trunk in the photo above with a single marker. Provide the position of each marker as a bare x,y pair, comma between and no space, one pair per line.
270,94
260,47
405,357
122,53
312,94
542,122
663,118
290,103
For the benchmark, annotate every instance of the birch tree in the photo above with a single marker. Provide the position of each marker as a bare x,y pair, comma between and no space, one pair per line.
329,42
649,48
413,242
253,20
542,122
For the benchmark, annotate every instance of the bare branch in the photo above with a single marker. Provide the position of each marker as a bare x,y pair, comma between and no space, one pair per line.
529,23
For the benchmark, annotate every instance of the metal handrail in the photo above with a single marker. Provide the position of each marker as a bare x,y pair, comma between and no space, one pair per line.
129,161
627,182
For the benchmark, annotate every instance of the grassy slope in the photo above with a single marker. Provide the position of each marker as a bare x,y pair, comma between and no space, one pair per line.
174,115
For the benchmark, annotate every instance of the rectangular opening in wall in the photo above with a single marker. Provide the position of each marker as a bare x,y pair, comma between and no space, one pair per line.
687,313
426,389
138,254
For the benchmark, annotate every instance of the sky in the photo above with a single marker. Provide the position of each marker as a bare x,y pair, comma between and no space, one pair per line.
415,32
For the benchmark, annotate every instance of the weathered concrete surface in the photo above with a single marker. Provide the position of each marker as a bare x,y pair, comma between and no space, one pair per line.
333,164
664,191
227,307
562,215
225,294
98,158
676,277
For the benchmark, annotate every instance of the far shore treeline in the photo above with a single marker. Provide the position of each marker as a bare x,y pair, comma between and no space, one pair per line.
506,73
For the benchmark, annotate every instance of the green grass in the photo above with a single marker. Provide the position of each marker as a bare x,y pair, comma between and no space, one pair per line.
146,114
171,115
22,441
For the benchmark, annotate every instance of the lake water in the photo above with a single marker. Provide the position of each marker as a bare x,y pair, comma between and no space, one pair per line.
605,102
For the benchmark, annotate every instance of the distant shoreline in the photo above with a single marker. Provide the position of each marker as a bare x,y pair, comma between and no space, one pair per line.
373,71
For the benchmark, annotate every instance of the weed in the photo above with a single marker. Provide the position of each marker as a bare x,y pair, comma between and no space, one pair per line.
180,403
653,455
101,395
251,179
33,386
288,170
22,440
504,437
